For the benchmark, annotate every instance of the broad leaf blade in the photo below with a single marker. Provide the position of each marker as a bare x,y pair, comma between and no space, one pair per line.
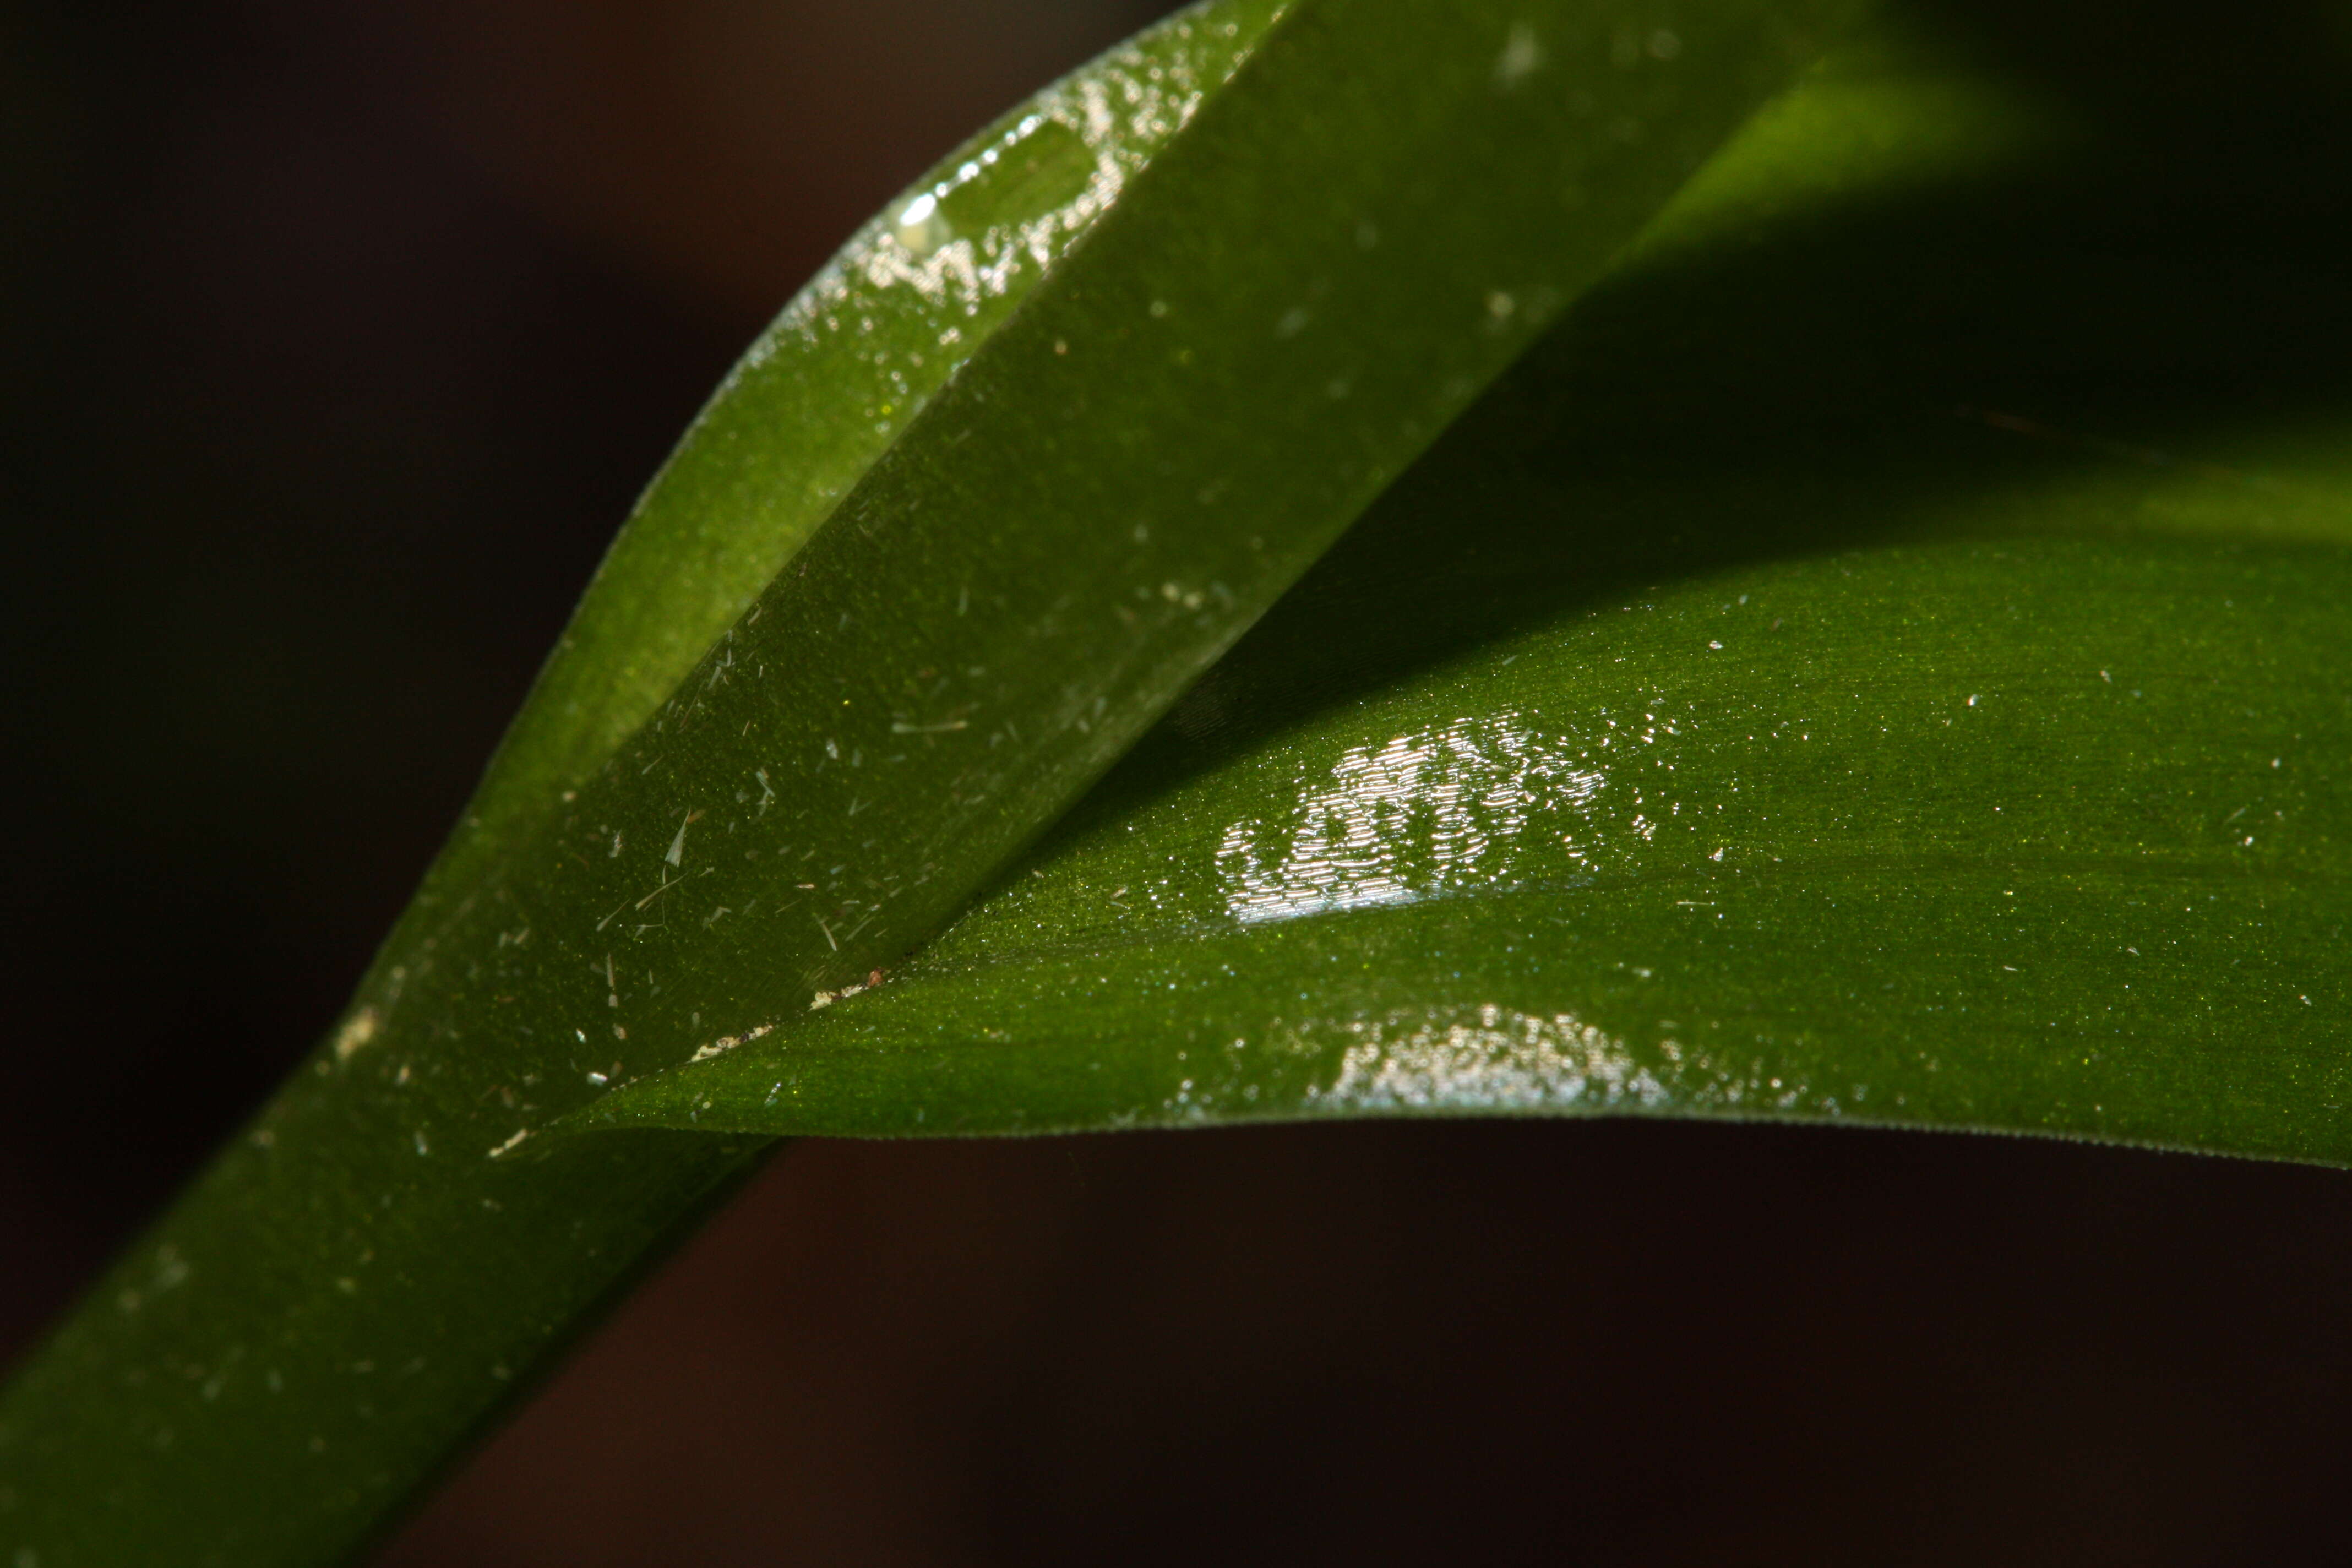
1342,244
1982,834
1881,754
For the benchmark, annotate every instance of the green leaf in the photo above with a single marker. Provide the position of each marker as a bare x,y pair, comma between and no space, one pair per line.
836,381
996,490
1859,669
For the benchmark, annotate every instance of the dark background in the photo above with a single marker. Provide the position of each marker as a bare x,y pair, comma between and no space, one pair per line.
338,338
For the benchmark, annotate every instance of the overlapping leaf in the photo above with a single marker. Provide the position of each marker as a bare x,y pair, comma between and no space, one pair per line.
1048,437
1876,663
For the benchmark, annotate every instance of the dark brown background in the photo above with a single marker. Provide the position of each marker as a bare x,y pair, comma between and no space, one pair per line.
338,338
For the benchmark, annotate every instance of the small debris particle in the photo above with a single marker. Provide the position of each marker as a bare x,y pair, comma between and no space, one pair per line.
719,1047
827,998
1522,57
357,1031
676,853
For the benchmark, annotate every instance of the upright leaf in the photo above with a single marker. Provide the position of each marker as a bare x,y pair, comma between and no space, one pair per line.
1318,232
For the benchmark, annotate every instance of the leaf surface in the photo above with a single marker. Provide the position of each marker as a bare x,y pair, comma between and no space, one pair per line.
997,490
1865,665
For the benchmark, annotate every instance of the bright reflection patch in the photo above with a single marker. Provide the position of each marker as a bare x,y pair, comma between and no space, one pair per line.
1493,1059
1392,824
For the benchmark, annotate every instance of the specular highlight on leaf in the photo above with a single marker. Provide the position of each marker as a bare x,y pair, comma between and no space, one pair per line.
877,627
1749,726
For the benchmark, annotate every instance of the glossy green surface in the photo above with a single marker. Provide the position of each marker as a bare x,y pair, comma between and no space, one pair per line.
1016,570
1886,659
2031,835
838,376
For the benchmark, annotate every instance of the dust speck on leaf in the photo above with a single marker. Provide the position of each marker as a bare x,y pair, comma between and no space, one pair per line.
1522,57
357,1031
